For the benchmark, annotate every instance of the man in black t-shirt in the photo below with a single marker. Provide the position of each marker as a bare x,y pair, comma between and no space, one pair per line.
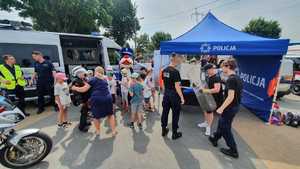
173,97
228,109
44,75
214,88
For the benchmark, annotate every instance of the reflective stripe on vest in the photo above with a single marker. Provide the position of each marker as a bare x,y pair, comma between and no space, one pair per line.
8,76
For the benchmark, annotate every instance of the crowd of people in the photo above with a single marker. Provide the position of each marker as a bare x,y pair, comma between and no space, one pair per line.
96,93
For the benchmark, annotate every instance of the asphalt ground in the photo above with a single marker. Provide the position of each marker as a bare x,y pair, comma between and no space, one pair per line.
137,149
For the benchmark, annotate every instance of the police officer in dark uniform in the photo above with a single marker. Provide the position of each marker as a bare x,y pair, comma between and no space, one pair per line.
228,109
44,75
79,73
173,97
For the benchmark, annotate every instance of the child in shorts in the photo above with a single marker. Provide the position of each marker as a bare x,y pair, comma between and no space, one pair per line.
112,86
124,89
147,92
62,99
136,92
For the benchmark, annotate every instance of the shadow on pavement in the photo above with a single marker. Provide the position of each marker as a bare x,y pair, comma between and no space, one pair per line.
41,165
73,146
151,119
188,122
94,157
59,135
140,141
183,155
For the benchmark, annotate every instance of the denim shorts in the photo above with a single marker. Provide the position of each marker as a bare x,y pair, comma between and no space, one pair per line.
136,107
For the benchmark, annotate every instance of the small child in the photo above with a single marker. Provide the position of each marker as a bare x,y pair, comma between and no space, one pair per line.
90,74
112,86
151,85
147,92
62,99
124,89
136,92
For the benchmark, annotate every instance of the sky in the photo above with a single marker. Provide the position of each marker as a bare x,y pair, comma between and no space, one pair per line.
175,16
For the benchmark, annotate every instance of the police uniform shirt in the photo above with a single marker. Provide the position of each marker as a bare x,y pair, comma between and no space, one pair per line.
44,72
234,83
170,76
211,84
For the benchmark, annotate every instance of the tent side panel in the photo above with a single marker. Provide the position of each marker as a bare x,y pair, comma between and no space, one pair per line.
257,74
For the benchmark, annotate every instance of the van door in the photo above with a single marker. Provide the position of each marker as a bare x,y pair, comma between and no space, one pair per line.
79,50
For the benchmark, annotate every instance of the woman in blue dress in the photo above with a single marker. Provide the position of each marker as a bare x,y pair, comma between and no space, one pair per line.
100,100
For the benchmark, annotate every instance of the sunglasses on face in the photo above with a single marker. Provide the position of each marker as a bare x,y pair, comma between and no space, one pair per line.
225,65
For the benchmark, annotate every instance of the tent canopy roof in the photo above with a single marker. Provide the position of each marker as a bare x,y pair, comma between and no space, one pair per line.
211,36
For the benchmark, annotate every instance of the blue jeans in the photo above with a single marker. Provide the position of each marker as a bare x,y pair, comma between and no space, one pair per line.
224,127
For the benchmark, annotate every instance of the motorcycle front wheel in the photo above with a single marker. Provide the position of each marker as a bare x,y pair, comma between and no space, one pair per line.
38,146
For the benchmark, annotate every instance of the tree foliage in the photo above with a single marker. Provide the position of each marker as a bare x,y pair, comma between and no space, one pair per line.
124,23
264,28
73,16
158,37
143,43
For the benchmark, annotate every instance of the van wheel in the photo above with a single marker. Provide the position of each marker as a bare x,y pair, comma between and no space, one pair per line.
296,89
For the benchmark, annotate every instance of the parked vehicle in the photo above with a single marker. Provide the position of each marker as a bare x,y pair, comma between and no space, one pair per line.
20,149
63,49
286,77
294,55
295,88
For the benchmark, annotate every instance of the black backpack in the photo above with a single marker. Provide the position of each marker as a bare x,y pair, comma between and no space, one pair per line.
292,119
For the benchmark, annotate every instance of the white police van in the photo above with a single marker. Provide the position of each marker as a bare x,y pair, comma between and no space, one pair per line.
64,50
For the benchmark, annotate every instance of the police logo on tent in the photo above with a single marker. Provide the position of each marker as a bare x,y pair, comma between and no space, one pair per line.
205,48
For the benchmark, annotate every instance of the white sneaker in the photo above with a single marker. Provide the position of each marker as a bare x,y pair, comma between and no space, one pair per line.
203,125
207,132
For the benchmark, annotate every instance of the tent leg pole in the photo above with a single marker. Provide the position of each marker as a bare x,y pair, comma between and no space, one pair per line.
159,89
275,93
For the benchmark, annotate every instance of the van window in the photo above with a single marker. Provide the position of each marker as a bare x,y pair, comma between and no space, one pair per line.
81,56
22,52
113,55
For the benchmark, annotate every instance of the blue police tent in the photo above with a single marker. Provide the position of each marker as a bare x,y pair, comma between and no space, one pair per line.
258,58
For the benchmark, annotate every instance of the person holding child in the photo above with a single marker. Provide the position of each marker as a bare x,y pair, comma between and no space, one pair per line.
62,99
101,100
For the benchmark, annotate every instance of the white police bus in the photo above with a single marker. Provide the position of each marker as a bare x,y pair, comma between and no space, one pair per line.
64,50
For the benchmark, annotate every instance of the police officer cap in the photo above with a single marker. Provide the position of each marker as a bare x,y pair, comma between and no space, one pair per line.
208,66
77,70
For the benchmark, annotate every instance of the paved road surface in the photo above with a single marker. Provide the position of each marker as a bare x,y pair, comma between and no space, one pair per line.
290,103
135,149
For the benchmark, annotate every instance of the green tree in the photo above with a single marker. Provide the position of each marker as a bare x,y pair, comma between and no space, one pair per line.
158,37
264,28
74,16
143,43
124,21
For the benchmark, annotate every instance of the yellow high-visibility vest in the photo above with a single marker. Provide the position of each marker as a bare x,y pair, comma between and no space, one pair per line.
7,75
